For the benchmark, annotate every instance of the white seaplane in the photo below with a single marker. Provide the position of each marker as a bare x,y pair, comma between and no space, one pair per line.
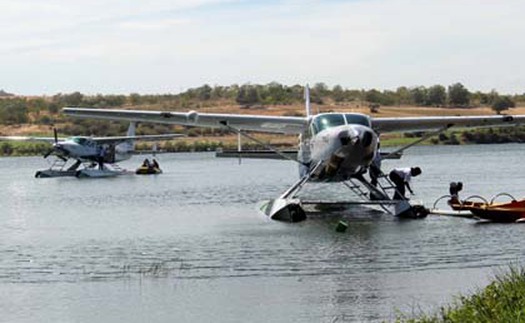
333,147
97,155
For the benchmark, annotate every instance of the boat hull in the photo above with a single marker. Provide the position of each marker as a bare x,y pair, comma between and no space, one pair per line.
513,211
148,171
498,214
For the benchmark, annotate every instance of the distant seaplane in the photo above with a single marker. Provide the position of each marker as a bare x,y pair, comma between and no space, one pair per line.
94,153
333,147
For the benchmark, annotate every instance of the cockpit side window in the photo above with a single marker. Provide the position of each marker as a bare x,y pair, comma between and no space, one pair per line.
79,140
357,119
325,121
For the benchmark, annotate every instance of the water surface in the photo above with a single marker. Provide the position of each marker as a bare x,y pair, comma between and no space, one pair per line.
191,246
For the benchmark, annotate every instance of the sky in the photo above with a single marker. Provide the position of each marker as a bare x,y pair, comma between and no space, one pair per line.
168,46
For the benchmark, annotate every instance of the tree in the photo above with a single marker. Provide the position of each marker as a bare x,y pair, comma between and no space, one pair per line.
458,95
248,95
204,92
13,112
419,95
403,95
502,103
373,96
134,98
338,93
436,95
321,89
73,99
275,93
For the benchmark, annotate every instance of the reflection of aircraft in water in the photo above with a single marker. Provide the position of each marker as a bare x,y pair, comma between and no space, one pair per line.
333,147
95,154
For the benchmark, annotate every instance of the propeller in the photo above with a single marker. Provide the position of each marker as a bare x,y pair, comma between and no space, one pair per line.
56,147
49,152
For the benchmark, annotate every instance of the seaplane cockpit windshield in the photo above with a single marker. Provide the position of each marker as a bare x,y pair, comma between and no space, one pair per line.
83,141
329,120
357,118
325,121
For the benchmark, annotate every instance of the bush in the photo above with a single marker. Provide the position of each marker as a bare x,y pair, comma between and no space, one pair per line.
503,300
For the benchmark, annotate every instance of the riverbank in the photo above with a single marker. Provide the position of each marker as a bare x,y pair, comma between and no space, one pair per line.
503,300
209,140
229,142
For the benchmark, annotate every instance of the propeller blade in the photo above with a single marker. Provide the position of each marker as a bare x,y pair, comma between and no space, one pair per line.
49,152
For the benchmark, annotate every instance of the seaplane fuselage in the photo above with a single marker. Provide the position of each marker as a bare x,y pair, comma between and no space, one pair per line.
344,144
87,149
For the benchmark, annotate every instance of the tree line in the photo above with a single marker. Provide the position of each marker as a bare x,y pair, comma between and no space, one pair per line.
45,110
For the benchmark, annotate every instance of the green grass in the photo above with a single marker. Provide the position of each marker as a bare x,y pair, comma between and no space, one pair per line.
503,300
22,148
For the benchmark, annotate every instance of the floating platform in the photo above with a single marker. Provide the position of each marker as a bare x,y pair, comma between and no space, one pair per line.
458,214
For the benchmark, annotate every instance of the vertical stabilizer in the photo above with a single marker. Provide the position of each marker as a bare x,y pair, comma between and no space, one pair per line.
307,101
131,129
129,145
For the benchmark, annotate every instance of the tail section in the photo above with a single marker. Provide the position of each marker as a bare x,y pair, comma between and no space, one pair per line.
131,129
307,101
128,145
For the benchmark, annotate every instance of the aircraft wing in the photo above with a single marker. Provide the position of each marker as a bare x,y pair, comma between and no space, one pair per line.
30,138
114,139
271,124
428,123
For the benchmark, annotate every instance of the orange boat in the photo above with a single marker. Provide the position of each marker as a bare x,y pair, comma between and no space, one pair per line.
513,211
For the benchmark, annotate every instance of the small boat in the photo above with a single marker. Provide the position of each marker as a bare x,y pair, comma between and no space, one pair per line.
145,170
464,205
513,211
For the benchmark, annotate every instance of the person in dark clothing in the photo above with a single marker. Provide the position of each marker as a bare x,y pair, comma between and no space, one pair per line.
155,164
375,167
454,190
101,156
401,178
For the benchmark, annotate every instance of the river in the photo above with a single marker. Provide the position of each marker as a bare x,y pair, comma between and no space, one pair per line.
190,245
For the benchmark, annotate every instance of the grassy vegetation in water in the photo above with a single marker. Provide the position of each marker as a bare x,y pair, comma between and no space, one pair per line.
503,300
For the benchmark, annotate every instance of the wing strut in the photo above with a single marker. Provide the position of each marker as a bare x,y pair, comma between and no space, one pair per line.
267,146
425,137
287,207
